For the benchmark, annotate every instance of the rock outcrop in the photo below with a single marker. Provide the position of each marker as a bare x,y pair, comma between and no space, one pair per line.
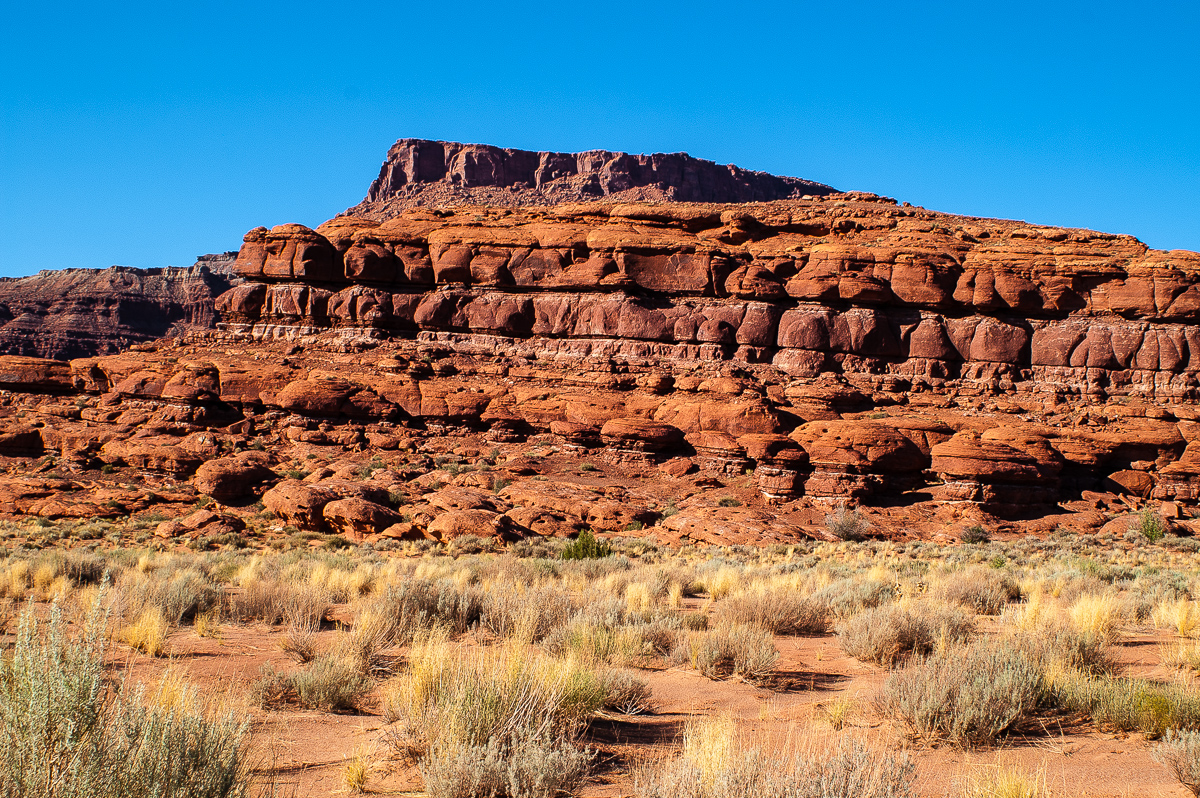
909,299
419,173
82,312
701,373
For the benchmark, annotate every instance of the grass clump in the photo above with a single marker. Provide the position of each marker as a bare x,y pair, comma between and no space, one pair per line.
148,634
969,694
502,721
743,652
717,762
890,634
781,612
1000,781
70,732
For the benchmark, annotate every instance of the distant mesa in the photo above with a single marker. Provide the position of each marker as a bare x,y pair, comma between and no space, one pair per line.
419,172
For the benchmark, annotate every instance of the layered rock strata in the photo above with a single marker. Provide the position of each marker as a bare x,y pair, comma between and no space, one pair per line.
908,299
81,312
418,173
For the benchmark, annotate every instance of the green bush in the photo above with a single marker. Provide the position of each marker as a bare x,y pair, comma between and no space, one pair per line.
975,534
69,732
586,547
1123,704
1149,525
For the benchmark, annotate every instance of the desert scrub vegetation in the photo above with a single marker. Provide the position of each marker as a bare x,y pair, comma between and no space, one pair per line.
69,731
1126,704
781,612
718,762
984,591
847,523
968,694
887,635
498,721
733,650
1181,753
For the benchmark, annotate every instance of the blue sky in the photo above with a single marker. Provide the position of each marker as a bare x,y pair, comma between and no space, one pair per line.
146,134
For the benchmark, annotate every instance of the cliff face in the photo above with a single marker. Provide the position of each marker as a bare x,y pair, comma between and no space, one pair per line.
81,312
729,371
849,284
444,174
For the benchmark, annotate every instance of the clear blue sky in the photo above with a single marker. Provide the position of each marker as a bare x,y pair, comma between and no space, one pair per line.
145,134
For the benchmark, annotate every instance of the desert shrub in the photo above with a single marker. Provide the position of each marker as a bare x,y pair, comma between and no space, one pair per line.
300,640
847,597
417,605
534,768
1181,753
974,534
596,643
717,764
745,652
626,693
331,682
535,547
471,718
272,601
888,635
530,617
178,594
781,612
981,590
968,694
1059,646
845,523
69,732
1149,525
586,547
1124,704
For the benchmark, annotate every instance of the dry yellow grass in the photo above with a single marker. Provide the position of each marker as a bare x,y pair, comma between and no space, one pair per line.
1005,781
148,634
1098,616
1179,615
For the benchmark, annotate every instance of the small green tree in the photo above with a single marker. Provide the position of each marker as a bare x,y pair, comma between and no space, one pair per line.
586,547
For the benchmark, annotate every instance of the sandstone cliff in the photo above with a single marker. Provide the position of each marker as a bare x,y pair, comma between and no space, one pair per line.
445,174
850,284
80,312
710,373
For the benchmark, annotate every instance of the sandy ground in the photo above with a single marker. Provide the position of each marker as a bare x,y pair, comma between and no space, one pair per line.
306,752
